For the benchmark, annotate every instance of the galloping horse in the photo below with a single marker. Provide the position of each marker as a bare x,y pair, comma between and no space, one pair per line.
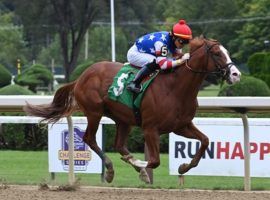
169,104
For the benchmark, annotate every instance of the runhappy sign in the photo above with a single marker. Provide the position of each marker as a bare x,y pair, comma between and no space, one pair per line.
225,153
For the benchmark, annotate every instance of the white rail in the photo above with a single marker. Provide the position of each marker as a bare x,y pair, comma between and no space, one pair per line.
242,105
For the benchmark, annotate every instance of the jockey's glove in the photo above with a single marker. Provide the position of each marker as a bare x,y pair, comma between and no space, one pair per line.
185,57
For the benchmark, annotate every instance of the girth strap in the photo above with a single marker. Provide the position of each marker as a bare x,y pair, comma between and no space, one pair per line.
136,111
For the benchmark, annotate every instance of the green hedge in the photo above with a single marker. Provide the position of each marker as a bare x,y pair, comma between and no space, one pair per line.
248,86
135,140
33,76
15,90
259,66
256,62
24,137
5,76
21,136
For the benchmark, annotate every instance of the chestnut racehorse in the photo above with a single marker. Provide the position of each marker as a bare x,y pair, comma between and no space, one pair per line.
169,104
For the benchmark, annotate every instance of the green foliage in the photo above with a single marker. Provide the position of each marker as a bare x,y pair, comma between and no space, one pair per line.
135,140
256,62
204,17
99,44
15,90
36,75
5,76
248,86
11,41
254,32
12,136
80,69
23,137
51,51
211,18
259,66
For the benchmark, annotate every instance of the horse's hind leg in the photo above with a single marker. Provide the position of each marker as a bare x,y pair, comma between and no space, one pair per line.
192,132
152,140
120,143
122,131
90,139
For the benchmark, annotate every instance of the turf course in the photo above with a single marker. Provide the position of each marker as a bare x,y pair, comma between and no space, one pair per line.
28,167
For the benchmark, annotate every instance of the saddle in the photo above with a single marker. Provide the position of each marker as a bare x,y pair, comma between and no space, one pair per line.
117,91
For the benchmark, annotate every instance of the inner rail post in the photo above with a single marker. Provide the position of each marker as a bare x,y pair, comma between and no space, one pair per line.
247,186
71,176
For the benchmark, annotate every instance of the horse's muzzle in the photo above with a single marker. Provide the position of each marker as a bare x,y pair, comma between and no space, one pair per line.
234,74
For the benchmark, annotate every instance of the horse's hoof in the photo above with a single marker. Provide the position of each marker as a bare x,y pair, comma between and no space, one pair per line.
109,175
183,168
138,169
144,176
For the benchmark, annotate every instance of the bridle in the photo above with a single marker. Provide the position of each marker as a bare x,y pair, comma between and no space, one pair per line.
220,70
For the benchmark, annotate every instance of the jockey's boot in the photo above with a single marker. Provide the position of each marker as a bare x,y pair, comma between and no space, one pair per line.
135,85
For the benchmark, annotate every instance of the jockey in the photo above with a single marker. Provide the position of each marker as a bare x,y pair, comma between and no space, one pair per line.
151,52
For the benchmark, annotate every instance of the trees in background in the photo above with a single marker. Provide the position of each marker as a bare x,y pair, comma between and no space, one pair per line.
256,29
213,19
70,19
54,30
11,41
73,18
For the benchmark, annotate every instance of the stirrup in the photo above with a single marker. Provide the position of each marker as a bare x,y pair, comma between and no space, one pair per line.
133,88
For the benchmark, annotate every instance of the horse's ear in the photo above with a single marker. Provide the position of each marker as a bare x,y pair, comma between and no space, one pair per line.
202,36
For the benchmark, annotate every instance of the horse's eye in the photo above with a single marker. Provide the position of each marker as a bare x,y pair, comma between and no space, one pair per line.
218,53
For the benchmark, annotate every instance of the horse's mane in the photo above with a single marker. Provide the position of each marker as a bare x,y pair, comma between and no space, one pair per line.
195,43
198,42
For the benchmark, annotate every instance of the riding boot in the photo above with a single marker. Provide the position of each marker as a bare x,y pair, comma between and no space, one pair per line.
135,85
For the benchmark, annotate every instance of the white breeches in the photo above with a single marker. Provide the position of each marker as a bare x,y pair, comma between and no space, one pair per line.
137,58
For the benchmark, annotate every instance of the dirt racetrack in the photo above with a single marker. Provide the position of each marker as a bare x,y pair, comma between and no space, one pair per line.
102,193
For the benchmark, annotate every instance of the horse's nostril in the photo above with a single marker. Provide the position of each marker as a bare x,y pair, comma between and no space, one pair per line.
235,74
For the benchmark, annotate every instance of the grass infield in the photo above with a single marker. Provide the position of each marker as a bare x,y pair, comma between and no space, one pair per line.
28,167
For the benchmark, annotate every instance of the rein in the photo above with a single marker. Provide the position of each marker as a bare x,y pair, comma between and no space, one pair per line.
220,70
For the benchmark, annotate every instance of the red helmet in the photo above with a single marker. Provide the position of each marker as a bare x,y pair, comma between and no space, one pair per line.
182,30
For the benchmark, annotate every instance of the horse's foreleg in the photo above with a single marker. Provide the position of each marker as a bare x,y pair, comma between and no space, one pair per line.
192,132
139,166
122,131
152,139
90,139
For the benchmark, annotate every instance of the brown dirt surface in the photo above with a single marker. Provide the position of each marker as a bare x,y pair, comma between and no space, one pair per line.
105,193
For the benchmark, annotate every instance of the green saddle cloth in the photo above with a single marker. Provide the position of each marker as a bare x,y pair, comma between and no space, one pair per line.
118,91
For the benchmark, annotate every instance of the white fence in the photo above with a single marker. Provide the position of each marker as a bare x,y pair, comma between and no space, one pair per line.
242,105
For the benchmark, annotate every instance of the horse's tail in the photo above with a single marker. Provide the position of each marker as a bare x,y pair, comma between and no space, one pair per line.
63,105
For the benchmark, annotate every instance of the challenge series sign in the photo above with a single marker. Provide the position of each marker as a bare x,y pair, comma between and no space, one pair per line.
225,153
85,160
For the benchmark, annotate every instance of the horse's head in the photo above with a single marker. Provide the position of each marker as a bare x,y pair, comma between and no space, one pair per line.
216,58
